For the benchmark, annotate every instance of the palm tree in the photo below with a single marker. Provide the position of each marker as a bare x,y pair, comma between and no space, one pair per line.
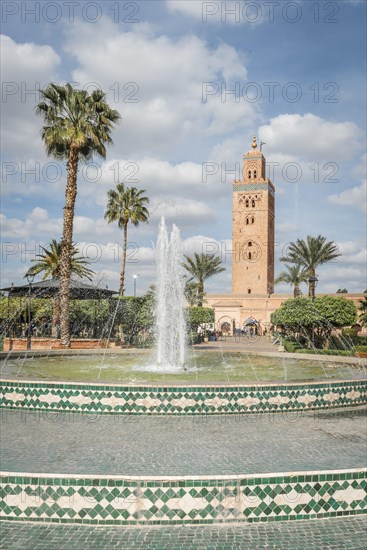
125,205
192,295
295,275
49,263
77,125
311,253
201,267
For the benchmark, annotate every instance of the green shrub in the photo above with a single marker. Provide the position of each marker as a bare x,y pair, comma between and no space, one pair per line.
349,332
288,346
361,348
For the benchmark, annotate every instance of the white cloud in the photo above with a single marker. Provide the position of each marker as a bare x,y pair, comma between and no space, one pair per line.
355,197
24,67
194,9
311,138
36,224
228,11
169,107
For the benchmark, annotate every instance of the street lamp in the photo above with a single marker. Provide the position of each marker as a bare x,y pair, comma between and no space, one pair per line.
30,277
312,281
135,277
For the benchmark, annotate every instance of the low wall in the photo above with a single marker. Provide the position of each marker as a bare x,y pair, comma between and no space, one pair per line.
174,400
20,344
114,500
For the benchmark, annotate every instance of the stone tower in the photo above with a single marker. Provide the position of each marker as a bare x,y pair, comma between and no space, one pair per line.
253,227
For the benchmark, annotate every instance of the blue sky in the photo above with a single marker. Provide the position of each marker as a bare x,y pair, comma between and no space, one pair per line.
297,75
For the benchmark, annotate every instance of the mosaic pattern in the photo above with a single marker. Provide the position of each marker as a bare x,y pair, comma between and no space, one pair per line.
253,187
172,400
206,500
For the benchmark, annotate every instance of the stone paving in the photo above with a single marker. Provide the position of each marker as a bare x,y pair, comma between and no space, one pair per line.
334,533
68,443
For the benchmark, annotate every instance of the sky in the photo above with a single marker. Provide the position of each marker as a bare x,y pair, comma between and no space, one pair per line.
193,82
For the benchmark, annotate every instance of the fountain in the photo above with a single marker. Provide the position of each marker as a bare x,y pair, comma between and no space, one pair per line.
170,319
187,471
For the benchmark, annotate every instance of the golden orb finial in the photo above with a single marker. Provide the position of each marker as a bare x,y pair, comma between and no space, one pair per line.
254,144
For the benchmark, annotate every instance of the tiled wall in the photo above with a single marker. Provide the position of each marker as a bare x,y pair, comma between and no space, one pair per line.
117,500
229,399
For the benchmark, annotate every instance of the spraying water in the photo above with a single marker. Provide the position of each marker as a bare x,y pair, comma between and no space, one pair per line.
170,301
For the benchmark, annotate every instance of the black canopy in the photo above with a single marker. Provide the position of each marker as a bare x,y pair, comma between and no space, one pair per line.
50,288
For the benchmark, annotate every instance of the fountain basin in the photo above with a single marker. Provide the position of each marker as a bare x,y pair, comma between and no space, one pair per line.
75,469
243,384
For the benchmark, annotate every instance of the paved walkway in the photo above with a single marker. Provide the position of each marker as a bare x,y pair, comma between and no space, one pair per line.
335,533
72,443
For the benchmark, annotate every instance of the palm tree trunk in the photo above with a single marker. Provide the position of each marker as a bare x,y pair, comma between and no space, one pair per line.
296,291
201,292
124,249
311,285
67,243
55,316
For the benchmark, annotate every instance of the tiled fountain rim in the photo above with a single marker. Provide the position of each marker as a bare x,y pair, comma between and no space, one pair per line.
106,500
270,476
162,386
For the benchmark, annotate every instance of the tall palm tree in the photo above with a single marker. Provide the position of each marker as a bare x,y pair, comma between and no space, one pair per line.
201,267
77,125
49,263
311,253
295,275
125,205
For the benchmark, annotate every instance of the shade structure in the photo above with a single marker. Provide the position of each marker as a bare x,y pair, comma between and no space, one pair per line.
251,321
50,288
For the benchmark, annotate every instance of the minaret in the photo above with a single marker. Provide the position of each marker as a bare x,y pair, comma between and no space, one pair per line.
253,227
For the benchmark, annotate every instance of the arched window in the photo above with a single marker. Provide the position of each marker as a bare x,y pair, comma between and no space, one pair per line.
249,174
247,221
252,220
250,243
247,203
255,173
253,203
249,291
249,255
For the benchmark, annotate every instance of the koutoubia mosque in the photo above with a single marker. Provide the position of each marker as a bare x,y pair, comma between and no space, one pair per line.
253,214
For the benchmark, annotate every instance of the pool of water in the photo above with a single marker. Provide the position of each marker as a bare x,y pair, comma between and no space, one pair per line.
201,367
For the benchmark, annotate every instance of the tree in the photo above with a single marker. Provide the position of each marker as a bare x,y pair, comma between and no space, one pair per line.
342,291
301,316
192,294
125,205
77,125
201,267
49,263
362,317
295,275
311,253
199,315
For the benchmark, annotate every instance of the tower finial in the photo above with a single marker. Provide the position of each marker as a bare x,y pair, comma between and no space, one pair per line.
254,144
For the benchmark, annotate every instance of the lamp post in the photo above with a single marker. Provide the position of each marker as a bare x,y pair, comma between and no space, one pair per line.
312,281
30,277
8,332
135,277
